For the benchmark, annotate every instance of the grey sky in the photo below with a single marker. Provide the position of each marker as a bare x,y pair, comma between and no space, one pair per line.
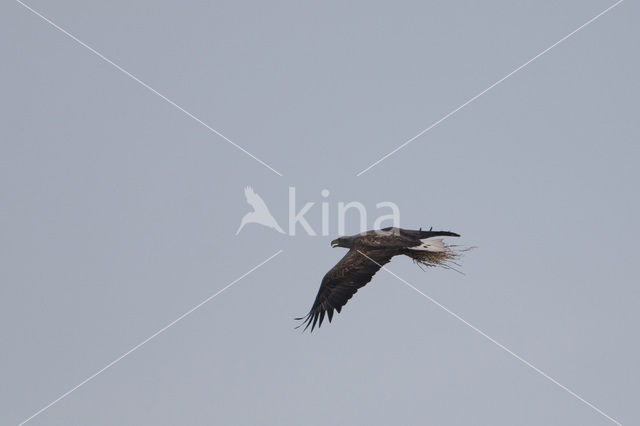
119,211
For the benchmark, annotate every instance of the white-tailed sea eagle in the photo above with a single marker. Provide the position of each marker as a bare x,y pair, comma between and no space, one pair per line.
368,252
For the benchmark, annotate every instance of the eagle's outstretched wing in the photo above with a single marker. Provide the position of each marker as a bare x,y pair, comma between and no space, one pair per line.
339,284
421,235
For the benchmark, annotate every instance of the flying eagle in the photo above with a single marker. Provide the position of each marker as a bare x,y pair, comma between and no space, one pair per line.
368,252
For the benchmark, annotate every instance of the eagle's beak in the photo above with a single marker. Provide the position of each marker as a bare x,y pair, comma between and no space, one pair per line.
334,243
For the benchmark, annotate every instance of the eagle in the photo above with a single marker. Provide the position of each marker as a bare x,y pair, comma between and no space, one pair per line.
368,252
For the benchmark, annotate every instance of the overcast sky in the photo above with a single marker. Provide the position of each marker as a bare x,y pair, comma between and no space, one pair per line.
119,211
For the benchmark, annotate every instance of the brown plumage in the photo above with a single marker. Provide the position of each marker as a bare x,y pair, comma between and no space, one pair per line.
369,252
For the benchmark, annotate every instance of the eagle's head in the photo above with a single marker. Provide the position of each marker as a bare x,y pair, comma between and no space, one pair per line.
346,242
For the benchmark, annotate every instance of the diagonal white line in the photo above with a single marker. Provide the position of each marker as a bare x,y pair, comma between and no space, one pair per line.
490,87
494,341
145,85
139,345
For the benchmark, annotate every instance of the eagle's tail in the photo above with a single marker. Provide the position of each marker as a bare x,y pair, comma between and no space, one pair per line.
436,253
431,245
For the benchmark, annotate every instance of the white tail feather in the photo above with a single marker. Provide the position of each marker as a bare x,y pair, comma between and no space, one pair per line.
430,245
